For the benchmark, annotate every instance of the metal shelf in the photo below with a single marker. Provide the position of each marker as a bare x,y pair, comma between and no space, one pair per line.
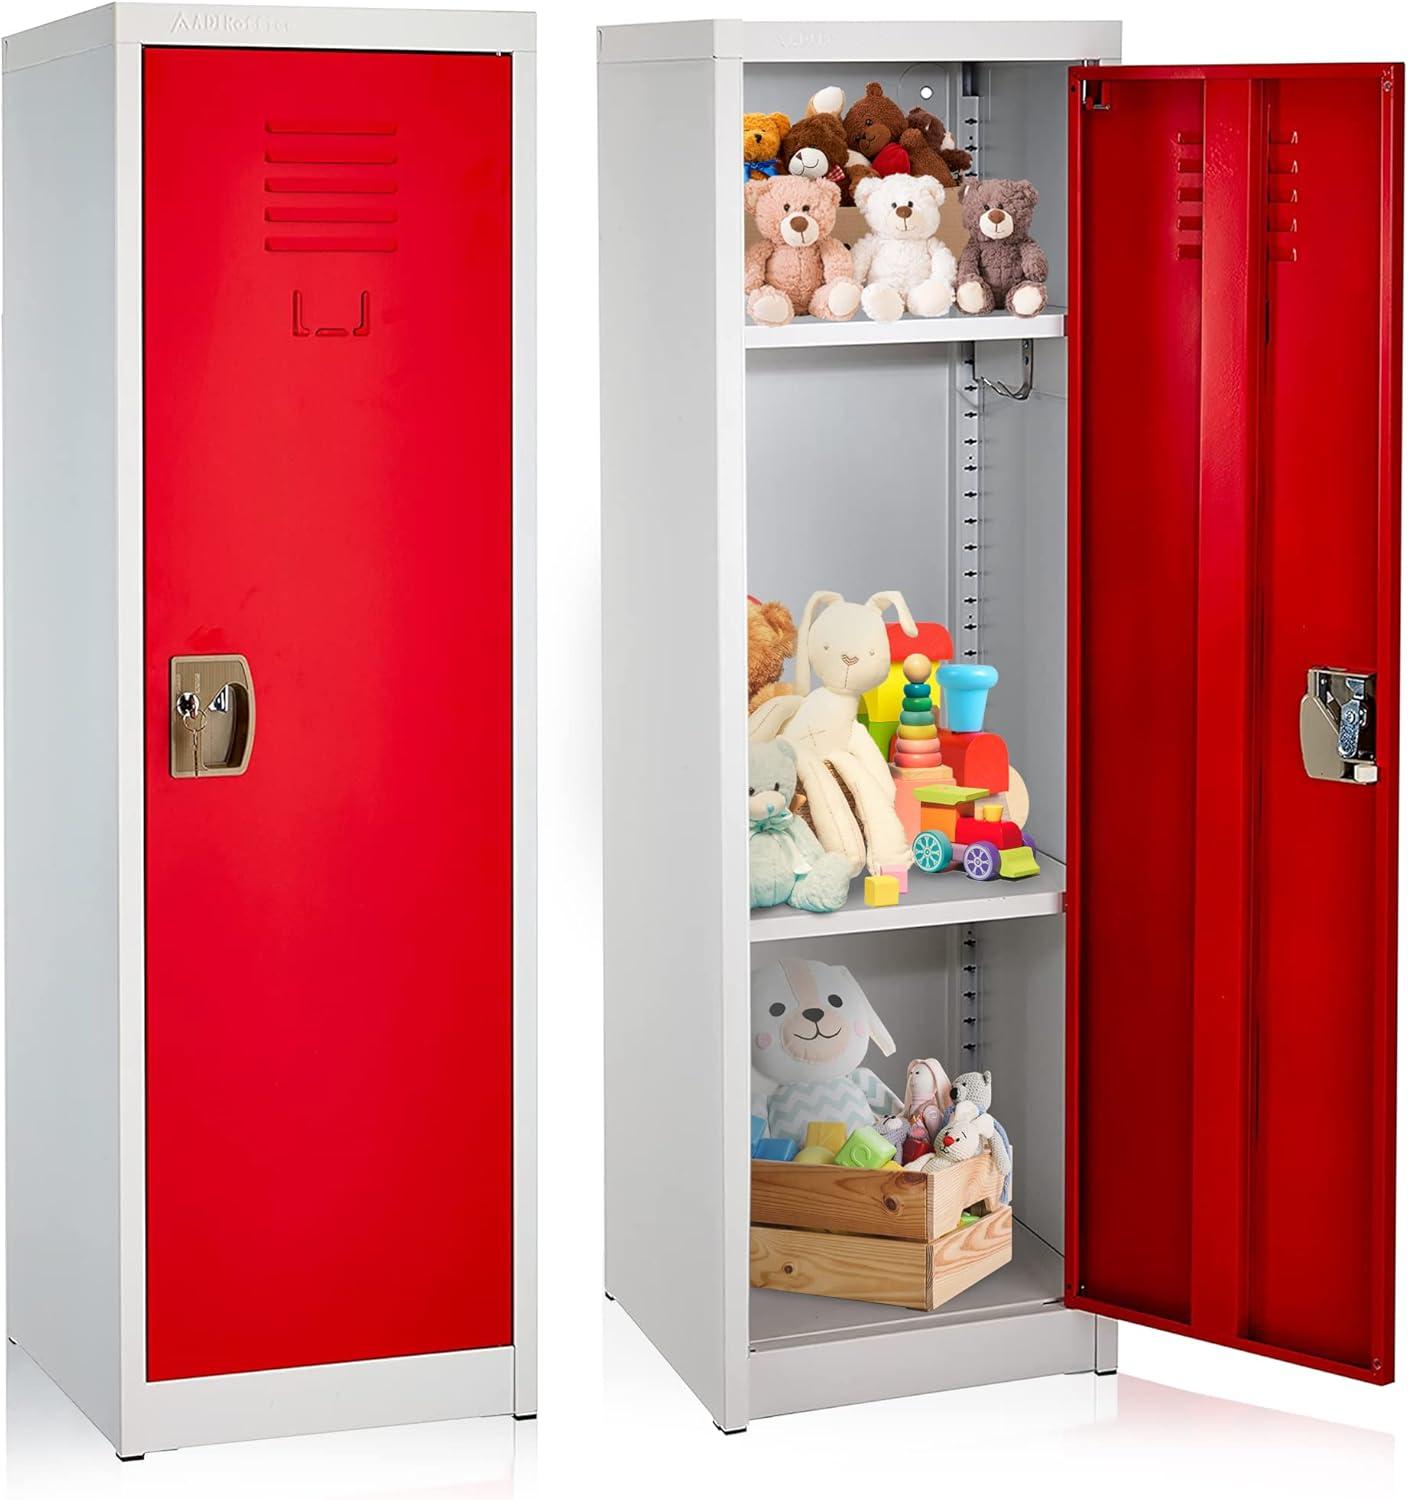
952,328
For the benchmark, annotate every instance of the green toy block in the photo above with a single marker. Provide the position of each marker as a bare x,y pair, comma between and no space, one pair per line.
949,796
1016,864
882,731
866,1148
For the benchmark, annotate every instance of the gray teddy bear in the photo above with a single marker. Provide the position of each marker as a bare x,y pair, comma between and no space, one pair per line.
970,1126
785,861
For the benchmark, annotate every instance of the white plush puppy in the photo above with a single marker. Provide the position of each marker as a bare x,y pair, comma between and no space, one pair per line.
902,263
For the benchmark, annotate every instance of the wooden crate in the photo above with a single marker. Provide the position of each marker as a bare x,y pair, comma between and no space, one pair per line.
890,1237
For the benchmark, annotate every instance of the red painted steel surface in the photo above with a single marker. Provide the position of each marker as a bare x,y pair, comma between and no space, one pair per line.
329,981
1290,1244
1133,638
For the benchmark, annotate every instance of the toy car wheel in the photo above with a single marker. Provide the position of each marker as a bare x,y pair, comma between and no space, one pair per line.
932,852
982,861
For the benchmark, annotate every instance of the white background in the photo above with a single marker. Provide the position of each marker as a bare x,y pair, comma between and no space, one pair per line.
1179,1417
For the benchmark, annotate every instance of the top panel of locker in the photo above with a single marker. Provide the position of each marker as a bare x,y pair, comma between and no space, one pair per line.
862,41
345,28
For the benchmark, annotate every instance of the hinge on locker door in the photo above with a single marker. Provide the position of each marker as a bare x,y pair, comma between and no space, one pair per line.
1092,93
1337,726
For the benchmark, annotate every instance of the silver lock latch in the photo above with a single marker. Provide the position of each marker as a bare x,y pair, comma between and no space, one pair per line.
1337,726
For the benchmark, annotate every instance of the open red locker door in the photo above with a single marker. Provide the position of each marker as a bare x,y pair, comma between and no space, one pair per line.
1235,342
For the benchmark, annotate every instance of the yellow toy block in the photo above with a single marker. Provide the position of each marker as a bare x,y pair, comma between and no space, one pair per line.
989,812
882,890
891,1166
815,1156
885,702
828,1135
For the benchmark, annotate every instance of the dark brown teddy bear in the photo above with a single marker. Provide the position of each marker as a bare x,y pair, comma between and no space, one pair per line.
877,128
1001,263
816,147
938,136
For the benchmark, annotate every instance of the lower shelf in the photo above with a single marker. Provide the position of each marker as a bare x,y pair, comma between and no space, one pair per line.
1032,1281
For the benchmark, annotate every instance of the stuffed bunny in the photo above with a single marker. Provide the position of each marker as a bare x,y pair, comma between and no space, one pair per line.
926,1106
850,792
812,1026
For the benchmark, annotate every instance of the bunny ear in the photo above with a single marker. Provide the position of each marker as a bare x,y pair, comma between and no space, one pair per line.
818,600
878,1034
887,597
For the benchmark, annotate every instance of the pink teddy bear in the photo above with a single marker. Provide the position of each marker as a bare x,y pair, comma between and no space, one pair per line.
797,267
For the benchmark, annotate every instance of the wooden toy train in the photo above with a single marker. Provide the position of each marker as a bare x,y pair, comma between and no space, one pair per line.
961,801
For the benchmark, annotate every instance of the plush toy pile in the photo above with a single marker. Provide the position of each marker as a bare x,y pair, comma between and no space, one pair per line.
816,1103
897,168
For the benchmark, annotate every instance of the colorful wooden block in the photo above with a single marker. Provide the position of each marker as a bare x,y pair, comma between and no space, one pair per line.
977,759
760,1129
775,1148
814,1156
900,873
829,1135
882,890
865,1147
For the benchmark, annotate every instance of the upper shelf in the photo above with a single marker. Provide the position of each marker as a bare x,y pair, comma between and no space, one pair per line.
952,328
932,901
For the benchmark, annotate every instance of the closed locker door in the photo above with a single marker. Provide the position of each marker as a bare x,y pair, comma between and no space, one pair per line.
1235,545
327,274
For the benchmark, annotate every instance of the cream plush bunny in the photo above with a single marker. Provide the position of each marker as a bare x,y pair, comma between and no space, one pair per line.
812,1026
846,645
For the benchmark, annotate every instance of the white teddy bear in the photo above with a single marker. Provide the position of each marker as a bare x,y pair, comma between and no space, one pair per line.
902,263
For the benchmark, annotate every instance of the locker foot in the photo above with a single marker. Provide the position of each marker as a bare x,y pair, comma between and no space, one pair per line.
1107,1372
525,1416
608,1296
730,1431
130,1458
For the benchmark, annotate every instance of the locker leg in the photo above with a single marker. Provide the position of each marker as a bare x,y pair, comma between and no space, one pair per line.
130,1458
730,1431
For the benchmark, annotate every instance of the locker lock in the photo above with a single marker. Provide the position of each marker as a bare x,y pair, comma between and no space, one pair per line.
212,716
1337,726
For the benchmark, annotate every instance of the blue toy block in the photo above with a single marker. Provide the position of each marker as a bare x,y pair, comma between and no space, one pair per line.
773,1148
760,1129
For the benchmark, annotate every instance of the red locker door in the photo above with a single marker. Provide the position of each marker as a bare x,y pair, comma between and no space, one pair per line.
328,493
1234,510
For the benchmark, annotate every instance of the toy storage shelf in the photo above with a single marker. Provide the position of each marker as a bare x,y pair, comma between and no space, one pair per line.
953,328
1029,1283
932,901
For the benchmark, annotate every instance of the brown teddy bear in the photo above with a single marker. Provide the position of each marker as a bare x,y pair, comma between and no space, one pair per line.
772,638
762,140
816,147
797,266
1001,263
877,128
937,134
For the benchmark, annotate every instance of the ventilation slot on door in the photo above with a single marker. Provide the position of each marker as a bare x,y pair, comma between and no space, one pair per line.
1282,197
354,158
1188,192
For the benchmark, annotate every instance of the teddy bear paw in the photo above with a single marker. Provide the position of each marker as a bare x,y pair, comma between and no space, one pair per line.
931,299
842,299
882,304
973,297
770,307
1026,300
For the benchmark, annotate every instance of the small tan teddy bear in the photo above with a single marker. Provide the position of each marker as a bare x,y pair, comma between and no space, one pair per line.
772,638
797,267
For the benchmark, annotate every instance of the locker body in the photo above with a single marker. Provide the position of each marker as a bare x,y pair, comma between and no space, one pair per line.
270,1000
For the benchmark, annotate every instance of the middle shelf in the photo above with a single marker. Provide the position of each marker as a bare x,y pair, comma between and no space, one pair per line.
933,901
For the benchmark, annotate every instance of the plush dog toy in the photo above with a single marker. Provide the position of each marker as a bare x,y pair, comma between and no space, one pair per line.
797,267
1001,265
812,1026
902,263
785,862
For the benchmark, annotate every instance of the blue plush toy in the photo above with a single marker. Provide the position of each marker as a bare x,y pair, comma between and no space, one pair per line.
785,861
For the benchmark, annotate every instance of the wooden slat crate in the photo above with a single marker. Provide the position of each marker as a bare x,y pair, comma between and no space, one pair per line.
889,1237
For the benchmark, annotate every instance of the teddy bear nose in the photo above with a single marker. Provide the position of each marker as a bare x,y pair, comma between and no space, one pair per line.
903,211
814,1014
799,223
758,138
996,215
